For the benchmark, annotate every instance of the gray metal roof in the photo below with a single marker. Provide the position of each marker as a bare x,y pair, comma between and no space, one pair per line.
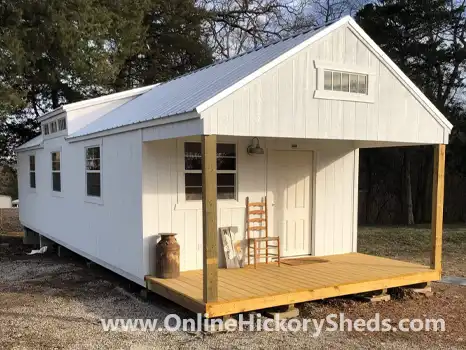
187,92
35,142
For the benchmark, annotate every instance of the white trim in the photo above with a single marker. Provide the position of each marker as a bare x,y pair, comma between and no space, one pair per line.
96,101
136,126
322,33
313,201
56,193
31,148
87,198
345,96
394,69
321,93
30,188
181,202
355,200
345,68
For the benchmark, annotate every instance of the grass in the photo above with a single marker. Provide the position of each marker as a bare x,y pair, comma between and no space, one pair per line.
413,244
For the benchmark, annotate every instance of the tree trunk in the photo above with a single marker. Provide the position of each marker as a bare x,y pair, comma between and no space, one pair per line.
55,99
408,188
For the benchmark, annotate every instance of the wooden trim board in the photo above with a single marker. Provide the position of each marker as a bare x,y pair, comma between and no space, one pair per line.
437,207
244,305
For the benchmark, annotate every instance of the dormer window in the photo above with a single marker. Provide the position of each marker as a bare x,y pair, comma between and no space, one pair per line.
61,124
53,127
336,81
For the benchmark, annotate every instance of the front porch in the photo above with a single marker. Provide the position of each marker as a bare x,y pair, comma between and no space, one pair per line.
313,278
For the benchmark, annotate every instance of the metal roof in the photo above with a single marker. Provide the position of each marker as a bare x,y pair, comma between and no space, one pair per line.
33,143
187,92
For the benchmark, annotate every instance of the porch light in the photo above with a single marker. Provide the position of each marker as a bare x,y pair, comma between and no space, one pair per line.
254,147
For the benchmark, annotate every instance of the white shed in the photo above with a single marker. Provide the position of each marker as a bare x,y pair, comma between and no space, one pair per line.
107,175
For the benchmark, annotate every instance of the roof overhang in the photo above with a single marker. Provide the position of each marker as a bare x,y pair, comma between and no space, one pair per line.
95,101
136,126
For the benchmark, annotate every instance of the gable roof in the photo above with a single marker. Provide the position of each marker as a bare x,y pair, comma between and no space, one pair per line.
198,90
190,91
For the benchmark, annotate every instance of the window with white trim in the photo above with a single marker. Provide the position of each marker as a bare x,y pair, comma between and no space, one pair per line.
61,124
93,175
226,171
32,171
345,82
46,129
56,171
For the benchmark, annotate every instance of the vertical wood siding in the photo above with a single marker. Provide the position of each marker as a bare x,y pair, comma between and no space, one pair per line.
164,208
267,105
109,232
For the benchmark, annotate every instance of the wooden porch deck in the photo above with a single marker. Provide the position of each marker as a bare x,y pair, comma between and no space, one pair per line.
241,290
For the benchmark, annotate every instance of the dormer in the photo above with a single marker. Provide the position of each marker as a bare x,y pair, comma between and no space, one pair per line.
54,126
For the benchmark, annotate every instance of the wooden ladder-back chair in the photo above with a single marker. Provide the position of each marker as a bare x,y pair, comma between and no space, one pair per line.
257,221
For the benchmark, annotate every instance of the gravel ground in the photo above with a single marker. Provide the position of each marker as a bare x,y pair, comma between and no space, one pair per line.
52,303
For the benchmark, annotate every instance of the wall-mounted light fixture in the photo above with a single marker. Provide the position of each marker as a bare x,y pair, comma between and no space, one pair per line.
254,147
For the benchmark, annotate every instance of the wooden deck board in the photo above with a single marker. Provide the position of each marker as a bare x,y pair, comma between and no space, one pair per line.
241,290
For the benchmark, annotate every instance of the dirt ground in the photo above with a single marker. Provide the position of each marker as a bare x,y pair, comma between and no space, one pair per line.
48,302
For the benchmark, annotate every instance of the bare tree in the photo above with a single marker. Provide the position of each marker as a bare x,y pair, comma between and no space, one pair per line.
235,26
330,10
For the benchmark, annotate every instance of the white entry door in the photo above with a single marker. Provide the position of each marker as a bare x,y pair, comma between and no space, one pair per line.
289,188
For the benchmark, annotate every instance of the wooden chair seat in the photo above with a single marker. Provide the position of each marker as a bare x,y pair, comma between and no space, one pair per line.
266,239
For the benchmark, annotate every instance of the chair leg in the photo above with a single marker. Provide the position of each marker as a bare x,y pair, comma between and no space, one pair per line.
278,253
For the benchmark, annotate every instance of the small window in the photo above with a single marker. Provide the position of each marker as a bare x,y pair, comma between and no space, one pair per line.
346,82
61,124
93,171
46,129
32,171
226,171
56,172
53,127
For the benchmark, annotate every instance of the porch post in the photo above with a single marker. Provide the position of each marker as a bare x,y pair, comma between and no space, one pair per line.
437,207
209,217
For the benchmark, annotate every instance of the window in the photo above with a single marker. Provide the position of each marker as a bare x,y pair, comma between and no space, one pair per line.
53,127
345,82
32,171
226,171
61,124
93,171
46,129
56,176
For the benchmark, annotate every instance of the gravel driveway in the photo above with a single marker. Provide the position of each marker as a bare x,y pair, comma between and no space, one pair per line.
53,303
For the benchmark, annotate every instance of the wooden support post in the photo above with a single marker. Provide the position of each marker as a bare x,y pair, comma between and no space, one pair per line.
437,207
209,218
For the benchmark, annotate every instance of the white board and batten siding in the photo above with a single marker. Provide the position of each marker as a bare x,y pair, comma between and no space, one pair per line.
281,102
333,185
108,232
